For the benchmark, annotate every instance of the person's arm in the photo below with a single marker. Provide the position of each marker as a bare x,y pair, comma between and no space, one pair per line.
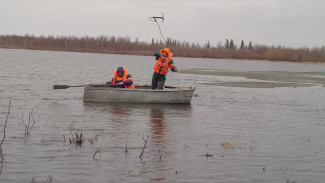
173,67
109,82
128,81
157,55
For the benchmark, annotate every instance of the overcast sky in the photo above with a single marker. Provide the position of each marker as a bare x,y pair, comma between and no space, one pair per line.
293,23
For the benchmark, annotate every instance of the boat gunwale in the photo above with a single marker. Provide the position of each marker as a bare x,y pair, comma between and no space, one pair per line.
176,89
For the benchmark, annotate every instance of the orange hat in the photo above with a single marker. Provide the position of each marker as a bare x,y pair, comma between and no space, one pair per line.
167,50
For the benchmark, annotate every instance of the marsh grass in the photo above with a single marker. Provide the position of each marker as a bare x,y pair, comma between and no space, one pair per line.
28,126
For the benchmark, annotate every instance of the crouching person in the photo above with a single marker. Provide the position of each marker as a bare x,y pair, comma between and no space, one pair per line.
121,79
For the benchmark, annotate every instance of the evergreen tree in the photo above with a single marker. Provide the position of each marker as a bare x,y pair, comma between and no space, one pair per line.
231,44
250,46
207,45
242,45
227,44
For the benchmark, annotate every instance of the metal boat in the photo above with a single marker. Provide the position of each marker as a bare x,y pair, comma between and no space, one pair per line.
139,94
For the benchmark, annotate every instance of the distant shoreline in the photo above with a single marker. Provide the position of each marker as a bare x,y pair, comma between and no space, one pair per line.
150,54
124,46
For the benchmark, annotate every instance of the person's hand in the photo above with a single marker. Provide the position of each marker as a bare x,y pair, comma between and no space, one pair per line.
119,83
177,70
157,54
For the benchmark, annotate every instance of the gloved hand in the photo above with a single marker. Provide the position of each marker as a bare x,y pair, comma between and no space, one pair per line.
157,55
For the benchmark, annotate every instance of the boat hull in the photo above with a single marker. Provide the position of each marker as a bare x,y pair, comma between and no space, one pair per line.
170,95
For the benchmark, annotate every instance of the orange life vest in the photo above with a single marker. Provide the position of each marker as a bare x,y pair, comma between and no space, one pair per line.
162,64
123,78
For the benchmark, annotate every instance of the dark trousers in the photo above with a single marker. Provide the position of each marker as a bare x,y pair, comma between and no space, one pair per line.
158,81
157,84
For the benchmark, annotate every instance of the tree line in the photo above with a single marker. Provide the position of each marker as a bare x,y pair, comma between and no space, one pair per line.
124,45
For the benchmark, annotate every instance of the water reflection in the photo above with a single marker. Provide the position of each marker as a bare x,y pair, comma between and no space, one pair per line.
127,109
164,122
132,122
159,143
119,111
114,124
158,127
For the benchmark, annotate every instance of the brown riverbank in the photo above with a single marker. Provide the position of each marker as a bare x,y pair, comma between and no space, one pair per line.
124,45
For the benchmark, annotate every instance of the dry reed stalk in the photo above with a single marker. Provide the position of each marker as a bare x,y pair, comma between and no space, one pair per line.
98,151
207,155
79,139
252,146
126,148
28,128
145,143
4,136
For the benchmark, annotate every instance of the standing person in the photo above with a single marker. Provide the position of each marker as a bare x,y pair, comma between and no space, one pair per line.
163,62
121,79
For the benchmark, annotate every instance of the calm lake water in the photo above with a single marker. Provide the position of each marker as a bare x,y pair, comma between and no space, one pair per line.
269,116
